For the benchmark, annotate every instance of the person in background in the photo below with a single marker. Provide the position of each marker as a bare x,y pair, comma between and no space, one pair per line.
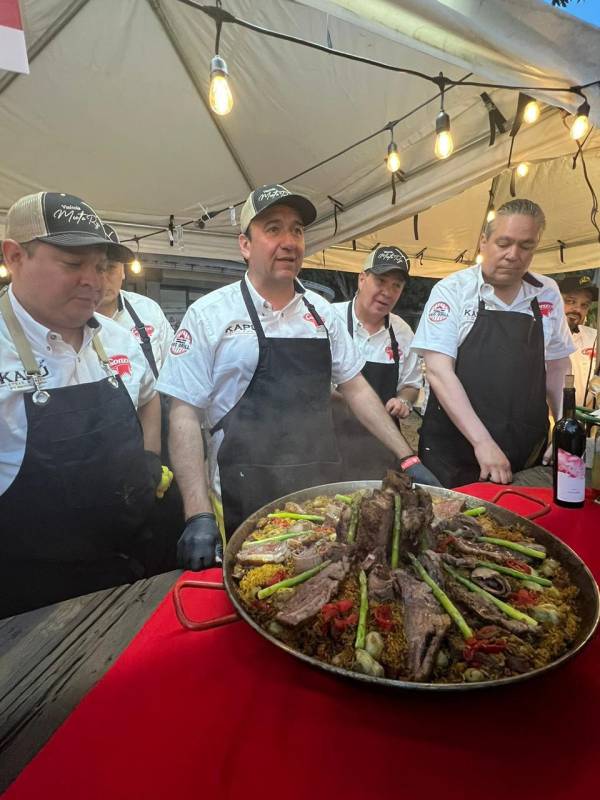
578,294
391,369
496,346
79,467
255,360
140,315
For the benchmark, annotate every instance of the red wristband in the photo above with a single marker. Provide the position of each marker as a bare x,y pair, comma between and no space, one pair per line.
409,462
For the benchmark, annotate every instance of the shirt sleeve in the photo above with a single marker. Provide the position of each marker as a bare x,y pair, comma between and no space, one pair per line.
187,371
166,334
346,361
438,328
410,371
559,343
147,385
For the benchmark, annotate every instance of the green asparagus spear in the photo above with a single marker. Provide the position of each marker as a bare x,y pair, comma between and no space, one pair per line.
397,530
361,631
475,512
523,576
354,519
343,498
442,598
509,610
281,537
288,582
520,548
290,515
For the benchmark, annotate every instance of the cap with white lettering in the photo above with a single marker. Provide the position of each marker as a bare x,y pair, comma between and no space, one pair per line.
578,283
273,194
62,220
387,259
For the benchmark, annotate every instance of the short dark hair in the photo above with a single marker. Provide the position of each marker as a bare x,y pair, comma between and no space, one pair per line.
517,206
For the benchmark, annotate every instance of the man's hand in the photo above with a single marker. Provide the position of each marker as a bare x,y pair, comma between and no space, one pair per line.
397,408
493,463
200,545
418,471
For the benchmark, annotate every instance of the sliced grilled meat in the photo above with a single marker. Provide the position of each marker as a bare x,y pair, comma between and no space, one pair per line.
484,608
312,595
375,525
425,624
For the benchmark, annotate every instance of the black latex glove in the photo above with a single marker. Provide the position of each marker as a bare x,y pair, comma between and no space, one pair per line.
420,474
154,465
200,545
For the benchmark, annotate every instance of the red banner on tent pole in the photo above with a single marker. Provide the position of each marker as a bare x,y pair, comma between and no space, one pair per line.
13,51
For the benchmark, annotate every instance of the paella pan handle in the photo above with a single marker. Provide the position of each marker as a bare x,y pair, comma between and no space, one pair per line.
545,508
194,625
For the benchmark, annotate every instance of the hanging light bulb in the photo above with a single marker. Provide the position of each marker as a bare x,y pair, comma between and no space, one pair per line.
3,272
479,258
491,215
444,145
393,157
136,266
581,124
219,95
522,169
531,112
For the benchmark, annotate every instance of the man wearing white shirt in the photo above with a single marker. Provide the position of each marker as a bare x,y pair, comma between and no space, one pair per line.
578,294
78,472
496,348
256,360
392,370
140,315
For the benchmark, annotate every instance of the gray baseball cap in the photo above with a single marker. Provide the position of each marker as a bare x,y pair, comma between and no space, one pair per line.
62,220
273,194
387,259
114,237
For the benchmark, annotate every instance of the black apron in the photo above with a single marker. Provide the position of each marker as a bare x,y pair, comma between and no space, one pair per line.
72,515
501,365
364,457
279,436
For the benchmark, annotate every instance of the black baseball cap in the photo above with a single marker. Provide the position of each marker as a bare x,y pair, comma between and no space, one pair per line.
114,237
62,220
578,284
387,259
274,194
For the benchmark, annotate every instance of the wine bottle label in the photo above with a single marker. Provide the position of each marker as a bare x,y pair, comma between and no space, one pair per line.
570,477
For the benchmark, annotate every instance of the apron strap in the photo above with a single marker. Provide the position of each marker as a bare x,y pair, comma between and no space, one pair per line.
144,338
20,341
393,341
350,319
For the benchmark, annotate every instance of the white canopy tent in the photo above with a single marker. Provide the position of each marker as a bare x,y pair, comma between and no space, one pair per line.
115,110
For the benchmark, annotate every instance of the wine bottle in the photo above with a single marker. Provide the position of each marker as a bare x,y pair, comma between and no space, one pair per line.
568,448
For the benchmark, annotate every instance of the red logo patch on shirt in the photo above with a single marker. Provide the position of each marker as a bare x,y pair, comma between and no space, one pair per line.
589,351
439,312
546,309
149,331
182,343
390,353
120,364
309,318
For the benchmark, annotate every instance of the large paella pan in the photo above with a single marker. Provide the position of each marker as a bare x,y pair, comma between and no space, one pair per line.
418,588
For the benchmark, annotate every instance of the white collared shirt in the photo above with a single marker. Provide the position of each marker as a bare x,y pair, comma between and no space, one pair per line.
157,326
376,346
452,307
60,366
581,360
215,351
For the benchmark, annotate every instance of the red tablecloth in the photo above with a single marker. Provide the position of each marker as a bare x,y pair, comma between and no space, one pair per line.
224,714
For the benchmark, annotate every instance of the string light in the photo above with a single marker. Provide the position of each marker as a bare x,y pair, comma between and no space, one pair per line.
522,169
3,272
491,215
444,144
219,95
479,258
581,124
531,112
393,157
136,266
